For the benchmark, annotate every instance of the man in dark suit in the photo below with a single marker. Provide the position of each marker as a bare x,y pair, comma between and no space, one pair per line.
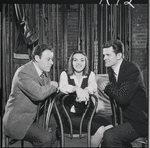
129,92
27,90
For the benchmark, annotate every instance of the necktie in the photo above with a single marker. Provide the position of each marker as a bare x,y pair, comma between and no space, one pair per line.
111,74
43,77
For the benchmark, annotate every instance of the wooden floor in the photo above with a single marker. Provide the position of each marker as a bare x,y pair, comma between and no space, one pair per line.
69,143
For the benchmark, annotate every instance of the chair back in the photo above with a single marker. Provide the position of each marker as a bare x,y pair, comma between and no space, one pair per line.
71,134
117,117
43,107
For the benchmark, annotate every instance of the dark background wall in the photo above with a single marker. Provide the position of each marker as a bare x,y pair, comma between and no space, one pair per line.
140,35
69,27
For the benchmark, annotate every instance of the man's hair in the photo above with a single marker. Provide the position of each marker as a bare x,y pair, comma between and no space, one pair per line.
39,49
117,45
70,69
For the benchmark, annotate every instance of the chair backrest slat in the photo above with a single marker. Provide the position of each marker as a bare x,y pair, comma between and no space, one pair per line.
71,134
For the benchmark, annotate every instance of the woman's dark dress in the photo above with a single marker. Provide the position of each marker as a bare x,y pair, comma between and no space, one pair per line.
79,108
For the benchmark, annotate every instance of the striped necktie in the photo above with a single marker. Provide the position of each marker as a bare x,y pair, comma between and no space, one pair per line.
43,77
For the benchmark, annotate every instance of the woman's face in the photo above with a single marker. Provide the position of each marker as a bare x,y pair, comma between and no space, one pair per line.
78,62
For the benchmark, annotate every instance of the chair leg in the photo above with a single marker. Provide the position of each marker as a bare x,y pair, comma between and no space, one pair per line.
22,144
6,141
144,145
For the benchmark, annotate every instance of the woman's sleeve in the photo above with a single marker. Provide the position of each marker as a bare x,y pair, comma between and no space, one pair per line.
64,85
92,85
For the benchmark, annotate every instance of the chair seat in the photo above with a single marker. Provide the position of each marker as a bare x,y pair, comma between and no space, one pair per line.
97,120
75,142
9,141
13,141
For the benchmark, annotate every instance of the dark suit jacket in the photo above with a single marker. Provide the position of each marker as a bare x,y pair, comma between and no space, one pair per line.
21,109
130,93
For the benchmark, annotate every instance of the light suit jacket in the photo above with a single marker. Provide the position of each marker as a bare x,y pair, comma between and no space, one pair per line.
21,107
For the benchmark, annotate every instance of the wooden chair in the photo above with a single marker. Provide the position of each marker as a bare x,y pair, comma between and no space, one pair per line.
71,132
43,105
117,118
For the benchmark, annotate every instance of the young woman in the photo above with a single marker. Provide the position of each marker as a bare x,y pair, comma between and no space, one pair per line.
79,80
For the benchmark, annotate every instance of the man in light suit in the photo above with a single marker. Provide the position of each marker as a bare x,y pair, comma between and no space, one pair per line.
27,91
129,92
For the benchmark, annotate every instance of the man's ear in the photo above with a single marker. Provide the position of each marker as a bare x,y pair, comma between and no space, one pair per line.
119,55
36,58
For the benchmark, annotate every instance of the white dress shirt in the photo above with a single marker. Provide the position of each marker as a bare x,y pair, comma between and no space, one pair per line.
117,68
39,71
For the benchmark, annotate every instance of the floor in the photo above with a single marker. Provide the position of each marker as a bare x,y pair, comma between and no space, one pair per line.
70,143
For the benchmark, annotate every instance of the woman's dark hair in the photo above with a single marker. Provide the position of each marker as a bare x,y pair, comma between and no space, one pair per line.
70,69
